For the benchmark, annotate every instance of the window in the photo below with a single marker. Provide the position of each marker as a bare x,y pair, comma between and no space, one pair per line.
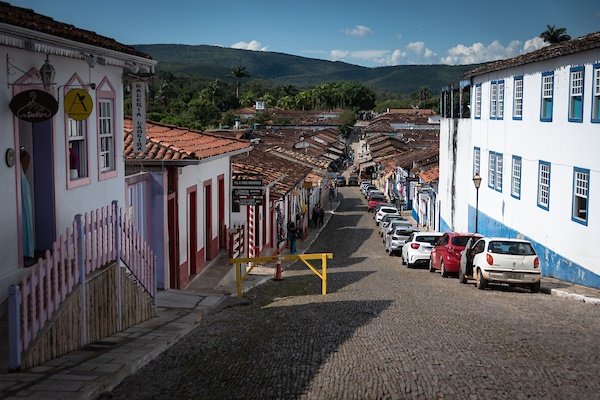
543,200
106,140
476,161
576,95
518,98
477,112
581,182
499,167
596,94
106,133
77,134
493,100
492,170
497,100
547,96
515,183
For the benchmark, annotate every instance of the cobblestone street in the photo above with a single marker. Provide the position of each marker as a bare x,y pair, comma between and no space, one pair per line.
383,331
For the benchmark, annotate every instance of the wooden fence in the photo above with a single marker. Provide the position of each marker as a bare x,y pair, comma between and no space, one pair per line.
96,239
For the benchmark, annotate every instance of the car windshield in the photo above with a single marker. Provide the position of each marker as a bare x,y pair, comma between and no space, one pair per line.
377,198
404,231
512,248
460,240
388,210
389,217
427,239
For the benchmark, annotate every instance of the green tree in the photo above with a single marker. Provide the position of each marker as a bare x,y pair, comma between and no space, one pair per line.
238,73
552,34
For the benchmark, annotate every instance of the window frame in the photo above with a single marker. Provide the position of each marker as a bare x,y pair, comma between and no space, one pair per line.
543,116
106,94
493,99
572,71
76,83
500,89
518,117
595,116
539,184
577,170
499,172
477,101
476,161
492,170
515,179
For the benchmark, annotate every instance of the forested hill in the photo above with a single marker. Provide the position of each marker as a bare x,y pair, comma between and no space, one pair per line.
213,62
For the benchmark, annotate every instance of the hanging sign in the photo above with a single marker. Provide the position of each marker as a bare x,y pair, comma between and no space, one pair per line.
78,104
34,105
138,111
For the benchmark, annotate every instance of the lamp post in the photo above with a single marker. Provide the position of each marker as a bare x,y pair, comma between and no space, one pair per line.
477,183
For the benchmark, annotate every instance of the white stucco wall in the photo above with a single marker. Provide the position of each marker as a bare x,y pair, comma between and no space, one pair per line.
68,202
564,243
196,175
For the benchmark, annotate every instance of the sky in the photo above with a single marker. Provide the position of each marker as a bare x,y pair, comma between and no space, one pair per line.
371,33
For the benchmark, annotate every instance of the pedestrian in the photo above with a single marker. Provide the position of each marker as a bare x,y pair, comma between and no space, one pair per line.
321,215
315,215
292,236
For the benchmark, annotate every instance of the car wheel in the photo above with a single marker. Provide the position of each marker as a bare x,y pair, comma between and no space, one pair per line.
461,276
481,281
443,270
534,287
431,269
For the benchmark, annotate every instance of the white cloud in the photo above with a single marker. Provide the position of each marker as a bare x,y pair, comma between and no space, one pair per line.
397,57
251,45
420,50
358,30
478,52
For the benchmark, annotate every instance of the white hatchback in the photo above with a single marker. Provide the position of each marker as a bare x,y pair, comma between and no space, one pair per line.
417,248
501,260
383,211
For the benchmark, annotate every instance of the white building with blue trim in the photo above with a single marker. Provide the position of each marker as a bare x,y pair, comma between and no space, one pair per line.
533,135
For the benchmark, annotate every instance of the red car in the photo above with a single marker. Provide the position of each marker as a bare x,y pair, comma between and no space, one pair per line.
446,253
373,201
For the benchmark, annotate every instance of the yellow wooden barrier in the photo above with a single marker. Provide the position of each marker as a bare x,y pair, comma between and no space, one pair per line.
305,258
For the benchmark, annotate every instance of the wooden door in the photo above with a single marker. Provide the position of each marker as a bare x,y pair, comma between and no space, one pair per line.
192,223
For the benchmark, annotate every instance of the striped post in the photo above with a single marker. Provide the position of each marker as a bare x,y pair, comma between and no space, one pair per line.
251,249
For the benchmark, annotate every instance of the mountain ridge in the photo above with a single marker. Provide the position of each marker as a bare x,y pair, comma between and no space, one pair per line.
215,62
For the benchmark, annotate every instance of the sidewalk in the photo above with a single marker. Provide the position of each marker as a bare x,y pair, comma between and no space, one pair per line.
100,367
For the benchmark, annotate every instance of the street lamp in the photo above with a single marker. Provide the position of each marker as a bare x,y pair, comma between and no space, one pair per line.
477,183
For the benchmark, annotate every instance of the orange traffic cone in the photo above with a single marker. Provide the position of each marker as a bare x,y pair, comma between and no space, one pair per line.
278,271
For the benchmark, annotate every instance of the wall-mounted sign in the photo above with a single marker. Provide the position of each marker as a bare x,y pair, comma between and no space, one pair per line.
242,183
138,111
34,105
78,104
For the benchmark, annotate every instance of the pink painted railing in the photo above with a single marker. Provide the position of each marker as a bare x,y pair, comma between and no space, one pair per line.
237,242
96,239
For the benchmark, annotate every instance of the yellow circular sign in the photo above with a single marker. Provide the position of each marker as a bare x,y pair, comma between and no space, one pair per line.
78,104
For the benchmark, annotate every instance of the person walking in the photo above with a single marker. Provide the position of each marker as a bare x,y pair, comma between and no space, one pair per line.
321,215
292,236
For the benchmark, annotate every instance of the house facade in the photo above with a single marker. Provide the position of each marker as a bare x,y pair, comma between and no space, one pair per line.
62,113
182,184
532,136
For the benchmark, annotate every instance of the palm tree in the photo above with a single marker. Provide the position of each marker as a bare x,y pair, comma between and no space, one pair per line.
238,73
554,35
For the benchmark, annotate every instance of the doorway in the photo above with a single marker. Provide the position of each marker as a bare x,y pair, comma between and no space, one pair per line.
192,229
36,145
208,221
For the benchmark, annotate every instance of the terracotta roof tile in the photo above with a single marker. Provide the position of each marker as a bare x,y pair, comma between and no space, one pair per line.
165,142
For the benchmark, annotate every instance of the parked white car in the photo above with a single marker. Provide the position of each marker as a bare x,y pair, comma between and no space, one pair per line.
417,249
501,260
395,240
384,211
393,225
387,220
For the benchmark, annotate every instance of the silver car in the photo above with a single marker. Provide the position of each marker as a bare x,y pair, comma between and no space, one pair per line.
395,241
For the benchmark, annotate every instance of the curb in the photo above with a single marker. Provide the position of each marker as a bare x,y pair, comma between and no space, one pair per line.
568,295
